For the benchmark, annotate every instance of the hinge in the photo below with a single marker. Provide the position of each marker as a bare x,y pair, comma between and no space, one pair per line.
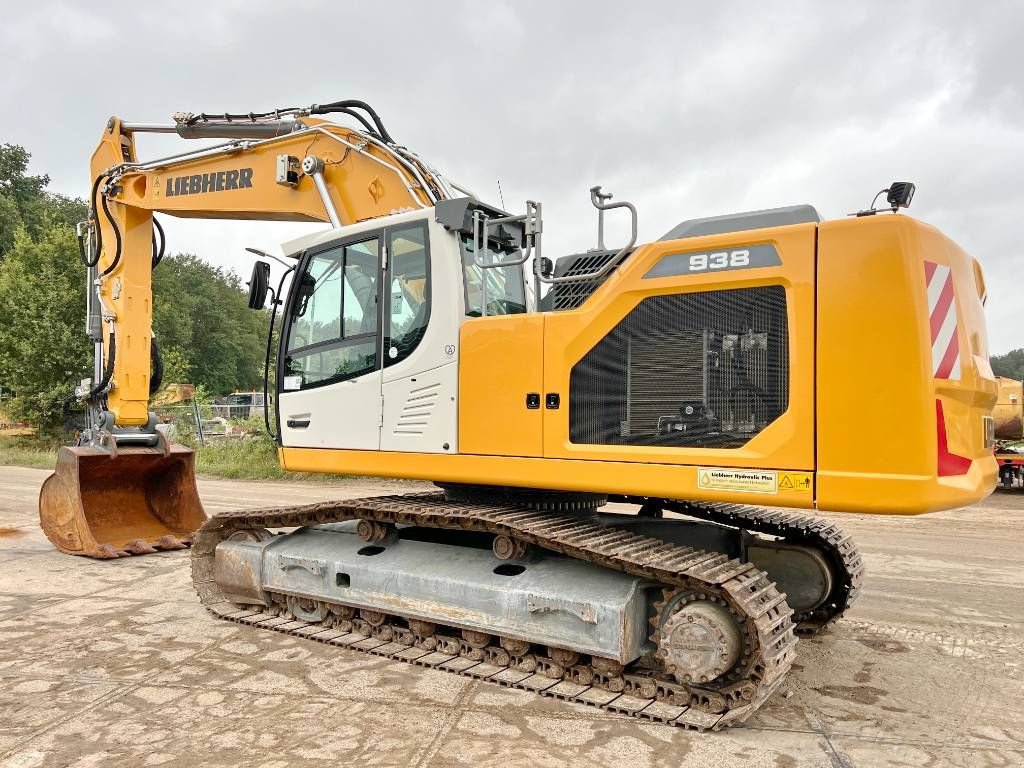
382,411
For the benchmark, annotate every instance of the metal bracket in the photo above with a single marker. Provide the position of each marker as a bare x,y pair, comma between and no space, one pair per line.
314,566
313,167
583,611
597,199
533,227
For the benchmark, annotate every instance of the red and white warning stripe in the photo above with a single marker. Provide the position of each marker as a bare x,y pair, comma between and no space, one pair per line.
942,320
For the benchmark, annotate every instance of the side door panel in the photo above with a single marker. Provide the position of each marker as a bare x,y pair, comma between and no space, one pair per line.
421,322
329,370
501,365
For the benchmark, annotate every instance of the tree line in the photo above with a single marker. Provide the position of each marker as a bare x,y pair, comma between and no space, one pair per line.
207,333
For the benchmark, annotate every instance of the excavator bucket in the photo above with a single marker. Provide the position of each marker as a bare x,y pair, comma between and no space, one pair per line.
132,502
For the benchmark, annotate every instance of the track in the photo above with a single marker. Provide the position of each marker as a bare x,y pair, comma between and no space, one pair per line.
797,528
638,690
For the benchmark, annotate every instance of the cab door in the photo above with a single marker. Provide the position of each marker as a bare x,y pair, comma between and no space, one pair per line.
329,364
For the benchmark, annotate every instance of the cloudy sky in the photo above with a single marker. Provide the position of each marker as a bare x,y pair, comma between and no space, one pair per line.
686,109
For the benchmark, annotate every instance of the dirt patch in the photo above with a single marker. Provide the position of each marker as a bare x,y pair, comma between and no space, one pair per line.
861,694
883,644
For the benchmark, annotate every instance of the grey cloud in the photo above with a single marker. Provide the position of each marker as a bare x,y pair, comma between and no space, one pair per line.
687,110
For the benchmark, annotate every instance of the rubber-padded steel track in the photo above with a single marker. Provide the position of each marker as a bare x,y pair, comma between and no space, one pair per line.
765,617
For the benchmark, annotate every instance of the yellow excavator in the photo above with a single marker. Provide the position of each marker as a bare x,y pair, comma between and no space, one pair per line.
603,427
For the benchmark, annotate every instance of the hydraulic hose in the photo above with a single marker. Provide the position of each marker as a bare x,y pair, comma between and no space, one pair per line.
347,107
157,376
158,251
117,237
108,370
348,104
99,235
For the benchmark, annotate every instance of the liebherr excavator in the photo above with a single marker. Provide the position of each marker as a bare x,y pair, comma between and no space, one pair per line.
601,426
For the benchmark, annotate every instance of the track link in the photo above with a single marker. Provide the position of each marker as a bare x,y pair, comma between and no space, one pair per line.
798,528
764,615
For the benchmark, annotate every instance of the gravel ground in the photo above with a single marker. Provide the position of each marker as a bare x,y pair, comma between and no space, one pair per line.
115,663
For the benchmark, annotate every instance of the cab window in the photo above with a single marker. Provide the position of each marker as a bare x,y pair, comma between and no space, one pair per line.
333,331
506,291
408,299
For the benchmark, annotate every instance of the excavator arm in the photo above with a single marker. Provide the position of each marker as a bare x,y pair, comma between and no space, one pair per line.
124,489
307,169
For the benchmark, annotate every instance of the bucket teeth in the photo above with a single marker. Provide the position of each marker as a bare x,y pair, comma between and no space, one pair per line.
139,547
109,552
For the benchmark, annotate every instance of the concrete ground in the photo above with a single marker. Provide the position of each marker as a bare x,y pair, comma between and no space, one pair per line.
115,663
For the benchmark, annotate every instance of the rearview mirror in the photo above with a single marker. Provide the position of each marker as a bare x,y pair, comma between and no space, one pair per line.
258,284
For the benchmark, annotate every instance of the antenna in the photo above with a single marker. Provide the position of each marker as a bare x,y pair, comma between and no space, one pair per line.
501,197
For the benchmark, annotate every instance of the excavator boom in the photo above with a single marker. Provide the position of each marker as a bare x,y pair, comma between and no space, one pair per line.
123,490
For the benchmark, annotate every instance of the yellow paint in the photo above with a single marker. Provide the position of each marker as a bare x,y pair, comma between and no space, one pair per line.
876,427
500,361
737,480
789,440
651,479
361,188
859,433
1009,411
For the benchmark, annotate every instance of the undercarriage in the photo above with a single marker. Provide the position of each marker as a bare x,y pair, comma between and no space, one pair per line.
689,619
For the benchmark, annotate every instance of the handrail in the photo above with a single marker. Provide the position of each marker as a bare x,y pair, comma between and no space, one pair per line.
597,198
532,228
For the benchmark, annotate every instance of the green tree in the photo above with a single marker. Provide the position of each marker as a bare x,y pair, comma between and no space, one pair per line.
43,349
25,202
205,329
204,326
1010,365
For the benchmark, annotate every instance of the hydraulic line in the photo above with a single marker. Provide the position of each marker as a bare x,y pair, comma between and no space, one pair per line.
99,236
117,237
346,106
339,106
157,376
158,252
108,370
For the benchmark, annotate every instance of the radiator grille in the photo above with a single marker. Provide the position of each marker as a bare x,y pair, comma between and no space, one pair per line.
571,295
694,369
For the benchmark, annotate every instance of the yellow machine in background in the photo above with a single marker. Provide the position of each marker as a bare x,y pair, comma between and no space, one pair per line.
1008,418
767,358
1008,415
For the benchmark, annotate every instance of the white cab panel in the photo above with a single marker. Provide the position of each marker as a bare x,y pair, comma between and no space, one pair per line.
420,413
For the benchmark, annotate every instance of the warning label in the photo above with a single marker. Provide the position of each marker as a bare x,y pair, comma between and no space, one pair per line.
744,480
794,481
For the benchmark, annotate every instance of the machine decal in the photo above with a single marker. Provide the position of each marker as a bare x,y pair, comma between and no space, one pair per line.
696,262
795,481
218,181
743,480
938,280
